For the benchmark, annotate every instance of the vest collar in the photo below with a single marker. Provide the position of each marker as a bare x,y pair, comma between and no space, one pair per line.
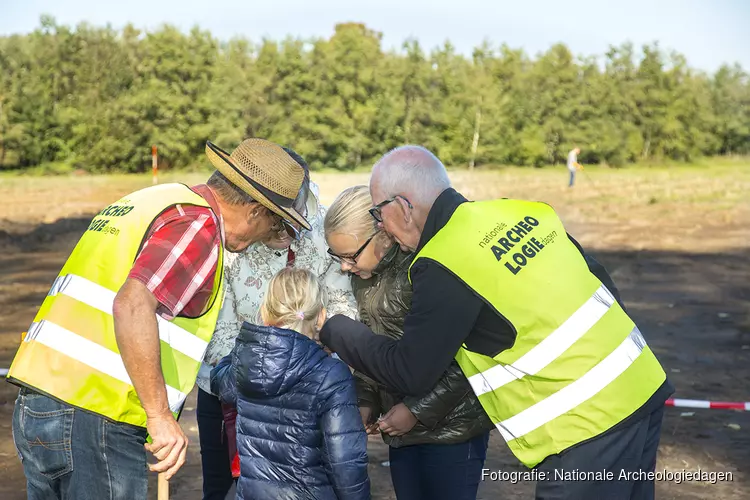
439,215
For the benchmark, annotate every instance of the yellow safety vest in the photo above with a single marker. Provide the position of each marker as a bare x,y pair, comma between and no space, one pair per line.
70,351
579,365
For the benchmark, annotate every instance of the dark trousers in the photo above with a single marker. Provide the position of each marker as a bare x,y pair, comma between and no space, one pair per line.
439,471
217,474
630,449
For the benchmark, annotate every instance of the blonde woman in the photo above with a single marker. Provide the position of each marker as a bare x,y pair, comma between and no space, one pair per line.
299,434
437,442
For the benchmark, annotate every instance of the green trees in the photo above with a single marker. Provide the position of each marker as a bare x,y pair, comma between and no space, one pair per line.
96,99
729,98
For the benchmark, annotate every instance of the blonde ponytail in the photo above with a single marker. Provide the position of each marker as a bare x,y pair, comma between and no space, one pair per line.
294,301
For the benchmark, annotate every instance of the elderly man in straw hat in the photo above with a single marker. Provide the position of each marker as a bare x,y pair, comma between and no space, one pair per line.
116,345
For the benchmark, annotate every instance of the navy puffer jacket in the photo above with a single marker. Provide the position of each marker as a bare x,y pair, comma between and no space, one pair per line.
299,432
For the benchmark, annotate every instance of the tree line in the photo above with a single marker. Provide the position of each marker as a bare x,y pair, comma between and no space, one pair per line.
96,98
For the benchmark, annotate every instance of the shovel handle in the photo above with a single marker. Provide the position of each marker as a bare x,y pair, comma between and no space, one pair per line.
162,488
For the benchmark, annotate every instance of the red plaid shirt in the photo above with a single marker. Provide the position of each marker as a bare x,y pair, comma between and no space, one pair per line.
178,261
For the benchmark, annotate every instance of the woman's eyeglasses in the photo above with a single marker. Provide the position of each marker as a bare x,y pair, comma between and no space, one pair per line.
350,259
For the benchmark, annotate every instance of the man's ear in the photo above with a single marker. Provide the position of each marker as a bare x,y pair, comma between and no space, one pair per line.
254,209
405,208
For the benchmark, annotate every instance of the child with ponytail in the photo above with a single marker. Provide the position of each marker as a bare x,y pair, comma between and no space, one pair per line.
299,431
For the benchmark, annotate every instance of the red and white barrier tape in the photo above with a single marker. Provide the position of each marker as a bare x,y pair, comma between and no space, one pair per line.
699,403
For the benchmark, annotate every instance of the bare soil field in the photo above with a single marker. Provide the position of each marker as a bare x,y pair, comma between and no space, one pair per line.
676,241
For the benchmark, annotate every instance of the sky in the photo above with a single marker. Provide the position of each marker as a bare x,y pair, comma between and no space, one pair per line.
709,33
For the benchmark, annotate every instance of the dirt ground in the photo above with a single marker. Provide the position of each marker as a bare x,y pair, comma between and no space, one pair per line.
677,243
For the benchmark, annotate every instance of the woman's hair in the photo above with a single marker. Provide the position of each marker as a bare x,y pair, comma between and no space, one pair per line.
350,214
294,301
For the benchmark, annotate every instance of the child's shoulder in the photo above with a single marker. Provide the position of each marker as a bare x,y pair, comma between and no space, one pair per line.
336,386
335,372
334,367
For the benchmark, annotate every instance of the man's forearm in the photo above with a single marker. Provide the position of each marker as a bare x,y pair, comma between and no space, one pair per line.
442,314
380,357
137,335
358,339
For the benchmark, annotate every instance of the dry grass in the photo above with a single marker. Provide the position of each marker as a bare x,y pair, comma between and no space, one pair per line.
677,208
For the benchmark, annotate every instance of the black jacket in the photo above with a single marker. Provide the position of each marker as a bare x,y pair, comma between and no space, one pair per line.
450,412
444,314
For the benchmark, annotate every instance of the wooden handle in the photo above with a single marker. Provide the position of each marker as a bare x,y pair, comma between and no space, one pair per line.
163,488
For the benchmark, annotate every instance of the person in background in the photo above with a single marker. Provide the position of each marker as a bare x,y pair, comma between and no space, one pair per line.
535,324
437,442
247,276
141,290
573,165
299,432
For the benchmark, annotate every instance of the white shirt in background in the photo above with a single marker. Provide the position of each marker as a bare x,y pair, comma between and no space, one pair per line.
572,160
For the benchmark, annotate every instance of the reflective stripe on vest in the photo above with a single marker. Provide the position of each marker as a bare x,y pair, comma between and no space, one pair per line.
578,365
70,351
91,354
548,349
100,298
577,392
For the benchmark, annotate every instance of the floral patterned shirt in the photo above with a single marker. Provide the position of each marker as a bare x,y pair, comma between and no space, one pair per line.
246,280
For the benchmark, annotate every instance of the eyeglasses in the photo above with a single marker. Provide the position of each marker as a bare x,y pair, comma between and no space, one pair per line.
350,259
288,229
377,210
281,227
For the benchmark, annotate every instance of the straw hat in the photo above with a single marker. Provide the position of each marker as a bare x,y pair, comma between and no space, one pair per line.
265,171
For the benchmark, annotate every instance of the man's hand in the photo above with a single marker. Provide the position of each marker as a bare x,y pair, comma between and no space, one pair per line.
366,413
137,335
398,421
169,445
